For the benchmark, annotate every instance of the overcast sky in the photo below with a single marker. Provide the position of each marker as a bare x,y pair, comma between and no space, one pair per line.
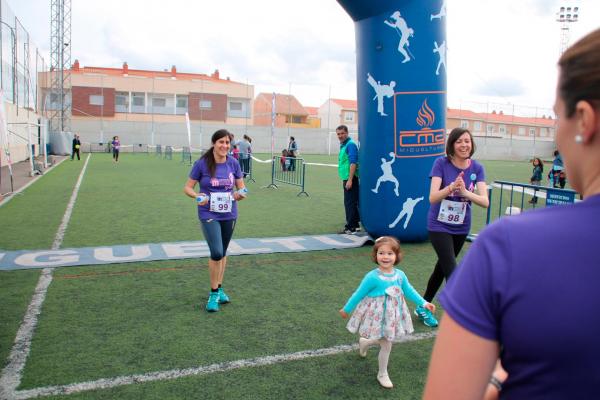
500,51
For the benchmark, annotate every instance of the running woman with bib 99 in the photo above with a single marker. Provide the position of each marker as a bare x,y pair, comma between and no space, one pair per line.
221,187
454,180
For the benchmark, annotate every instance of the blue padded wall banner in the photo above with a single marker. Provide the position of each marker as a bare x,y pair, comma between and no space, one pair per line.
401,79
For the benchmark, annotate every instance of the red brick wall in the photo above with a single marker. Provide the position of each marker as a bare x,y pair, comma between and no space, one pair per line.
218,112
81,101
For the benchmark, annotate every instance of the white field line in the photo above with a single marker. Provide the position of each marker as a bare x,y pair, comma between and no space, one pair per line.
11,375
108,383
60,234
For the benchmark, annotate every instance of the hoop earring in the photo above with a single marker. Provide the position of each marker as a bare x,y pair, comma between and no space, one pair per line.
578,138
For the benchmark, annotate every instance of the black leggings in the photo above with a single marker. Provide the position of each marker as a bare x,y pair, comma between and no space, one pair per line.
447,247
218,235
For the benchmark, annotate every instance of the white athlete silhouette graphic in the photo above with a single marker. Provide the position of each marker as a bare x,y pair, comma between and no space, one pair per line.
407,209
441,50
388,175
441,14
404,31
381,91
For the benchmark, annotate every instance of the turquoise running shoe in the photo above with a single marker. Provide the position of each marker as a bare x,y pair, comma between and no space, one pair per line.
223,298
426,317
213,302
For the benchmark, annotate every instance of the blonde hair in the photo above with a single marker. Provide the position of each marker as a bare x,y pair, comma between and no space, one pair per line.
390,241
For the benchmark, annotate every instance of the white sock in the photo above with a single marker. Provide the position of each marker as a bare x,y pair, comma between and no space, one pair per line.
384,356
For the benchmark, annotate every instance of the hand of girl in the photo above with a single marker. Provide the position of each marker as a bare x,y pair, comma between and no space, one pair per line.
237,196
430,307
343,313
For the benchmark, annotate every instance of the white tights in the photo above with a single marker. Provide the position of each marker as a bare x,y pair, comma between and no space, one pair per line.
384,353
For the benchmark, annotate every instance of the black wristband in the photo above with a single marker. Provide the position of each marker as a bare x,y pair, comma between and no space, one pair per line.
495,382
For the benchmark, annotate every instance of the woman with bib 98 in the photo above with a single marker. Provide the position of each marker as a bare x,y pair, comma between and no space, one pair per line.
454,180
221,187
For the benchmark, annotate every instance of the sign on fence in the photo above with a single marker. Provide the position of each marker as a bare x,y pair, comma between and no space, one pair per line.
555,197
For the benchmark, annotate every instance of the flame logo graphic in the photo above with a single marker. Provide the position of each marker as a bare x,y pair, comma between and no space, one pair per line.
426,116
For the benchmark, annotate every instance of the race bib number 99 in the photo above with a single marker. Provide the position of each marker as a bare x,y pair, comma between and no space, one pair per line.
221,202
452,212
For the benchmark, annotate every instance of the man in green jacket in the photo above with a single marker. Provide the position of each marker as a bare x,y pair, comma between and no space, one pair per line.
348,172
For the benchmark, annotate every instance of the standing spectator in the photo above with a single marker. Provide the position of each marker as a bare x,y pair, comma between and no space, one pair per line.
218,175
236,152
292,153
116,148
245,147
511,297
348,172
76,147
536,177
454,179
557,167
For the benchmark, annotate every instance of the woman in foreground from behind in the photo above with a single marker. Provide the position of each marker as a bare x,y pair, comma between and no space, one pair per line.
511,298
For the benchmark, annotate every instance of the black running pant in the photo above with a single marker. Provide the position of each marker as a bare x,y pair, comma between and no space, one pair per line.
447,247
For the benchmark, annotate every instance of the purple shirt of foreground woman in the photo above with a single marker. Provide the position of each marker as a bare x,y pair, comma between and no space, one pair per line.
504,292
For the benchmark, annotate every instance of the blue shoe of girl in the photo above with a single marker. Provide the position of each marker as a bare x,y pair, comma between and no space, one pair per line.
223,298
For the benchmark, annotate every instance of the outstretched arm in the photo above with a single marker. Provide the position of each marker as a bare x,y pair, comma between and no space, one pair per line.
461,363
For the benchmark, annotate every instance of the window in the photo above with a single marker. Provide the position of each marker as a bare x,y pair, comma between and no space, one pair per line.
238,108
531,131
293,119
96,100
138,102
349,116
162,103
490,128
544,132
121,102
502,129
158,102
205,104
551,132
521,131
477,126
181,104
465,124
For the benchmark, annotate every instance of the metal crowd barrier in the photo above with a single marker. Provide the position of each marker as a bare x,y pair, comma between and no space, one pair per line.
292,173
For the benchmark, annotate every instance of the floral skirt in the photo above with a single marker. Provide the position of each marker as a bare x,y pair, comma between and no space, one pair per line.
381,317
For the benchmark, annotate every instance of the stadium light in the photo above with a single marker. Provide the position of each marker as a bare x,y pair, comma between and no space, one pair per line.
566,15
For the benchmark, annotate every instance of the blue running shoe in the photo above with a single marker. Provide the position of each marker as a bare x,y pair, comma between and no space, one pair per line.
426,317
223,298
213,302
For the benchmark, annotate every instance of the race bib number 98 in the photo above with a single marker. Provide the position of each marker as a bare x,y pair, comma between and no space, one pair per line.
452,212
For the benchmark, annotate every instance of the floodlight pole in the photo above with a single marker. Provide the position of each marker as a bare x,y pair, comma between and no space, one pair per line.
566,15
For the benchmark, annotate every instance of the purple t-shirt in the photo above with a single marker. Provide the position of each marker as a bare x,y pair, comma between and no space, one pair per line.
530,283
223,182
443,168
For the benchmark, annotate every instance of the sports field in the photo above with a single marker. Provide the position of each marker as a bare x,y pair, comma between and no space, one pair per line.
139,331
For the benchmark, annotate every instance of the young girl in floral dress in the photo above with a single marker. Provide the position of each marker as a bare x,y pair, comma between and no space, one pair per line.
380,311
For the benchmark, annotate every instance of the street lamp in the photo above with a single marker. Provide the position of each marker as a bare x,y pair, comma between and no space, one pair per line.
566,15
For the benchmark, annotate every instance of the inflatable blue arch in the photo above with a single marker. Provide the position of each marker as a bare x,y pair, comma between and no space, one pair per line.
401,79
